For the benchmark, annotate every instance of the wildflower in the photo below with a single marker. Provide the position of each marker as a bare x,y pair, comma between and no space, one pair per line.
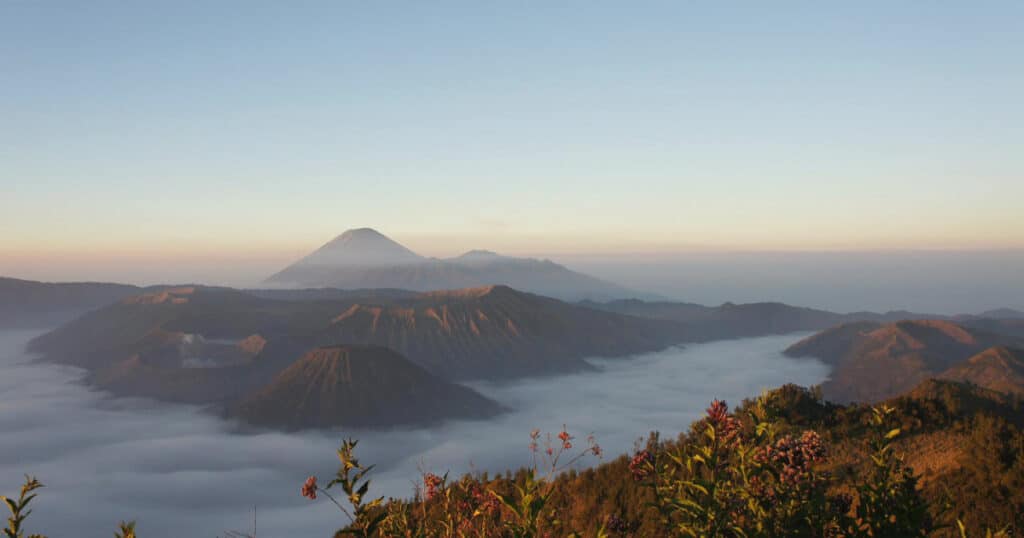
795,456
726,426
641,465
309,488
534,434
431,484
533,446
596,449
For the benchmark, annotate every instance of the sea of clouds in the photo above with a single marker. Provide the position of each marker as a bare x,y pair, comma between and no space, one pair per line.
180,471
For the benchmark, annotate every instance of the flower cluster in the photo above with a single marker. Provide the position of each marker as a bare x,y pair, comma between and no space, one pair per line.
796,456
727,427
566,439
642,465
431,485
309,488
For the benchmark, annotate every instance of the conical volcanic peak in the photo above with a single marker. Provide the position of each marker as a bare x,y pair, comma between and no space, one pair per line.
361,247
359,386
364,258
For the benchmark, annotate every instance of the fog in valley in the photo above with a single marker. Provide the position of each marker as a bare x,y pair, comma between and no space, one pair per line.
182,472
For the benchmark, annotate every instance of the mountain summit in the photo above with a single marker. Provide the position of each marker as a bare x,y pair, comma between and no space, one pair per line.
365,258
363,247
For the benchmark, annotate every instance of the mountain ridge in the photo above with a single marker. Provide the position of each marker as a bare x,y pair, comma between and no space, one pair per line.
365,258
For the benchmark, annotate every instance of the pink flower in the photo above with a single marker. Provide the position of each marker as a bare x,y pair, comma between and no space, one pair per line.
726,426
641,465
431,484
309,488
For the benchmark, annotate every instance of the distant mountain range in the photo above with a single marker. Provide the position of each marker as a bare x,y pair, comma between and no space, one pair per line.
27,304
251,352
873,361
744,320
225,347
365,258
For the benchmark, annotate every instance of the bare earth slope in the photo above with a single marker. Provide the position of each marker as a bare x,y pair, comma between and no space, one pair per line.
997,368
873,361
498,332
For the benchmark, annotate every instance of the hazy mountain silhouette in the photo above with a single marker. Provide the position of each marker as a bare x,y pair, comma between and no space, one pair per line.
27,304
731,320
365,258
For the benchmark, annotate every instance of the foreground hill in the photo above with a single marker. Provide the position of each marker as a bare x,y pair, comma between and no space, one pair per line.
365,258
358,386
874,361
941,456
498,332
26,304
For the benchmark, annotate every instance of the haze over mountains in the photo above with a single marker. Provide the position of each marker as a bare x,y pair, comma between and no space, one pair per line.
275,357
364,258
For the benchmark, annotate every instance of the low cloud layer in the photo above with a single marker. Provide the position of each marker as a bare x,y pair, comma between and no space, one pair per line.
182,472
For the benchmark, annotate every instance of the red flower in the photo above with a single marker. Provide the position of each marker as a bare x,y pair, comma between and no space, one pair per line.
431,484
642,465
309,488
726,426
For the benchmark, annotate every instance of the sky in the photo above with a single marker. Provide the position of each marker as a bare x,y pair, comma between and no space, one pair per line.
189,137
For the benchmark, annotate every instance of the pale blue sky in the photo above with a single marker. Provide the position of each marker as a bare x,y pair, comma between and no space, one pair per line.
246,130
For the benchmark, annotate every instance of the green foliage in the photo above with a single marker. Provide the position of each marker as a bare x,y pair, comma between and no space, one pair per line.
365,517
19,509
125,530
890,504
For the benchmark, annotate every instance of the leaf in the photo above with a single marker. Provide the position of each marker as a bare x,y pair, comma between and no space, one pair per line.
892,433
